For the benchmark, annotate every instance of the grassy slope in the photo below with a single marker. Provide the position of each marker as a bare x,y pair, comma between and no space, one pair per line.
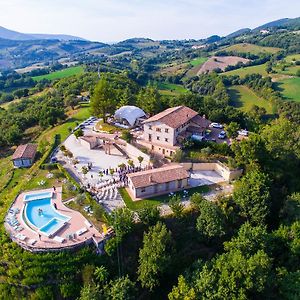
60,74
22,177
292,57
76,116
290,88
198,61
242,72
171,89
243,98
250,48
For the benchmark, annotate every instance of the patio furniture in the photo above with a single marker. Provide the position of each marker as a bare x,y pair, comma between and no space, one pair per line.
81,231
21,237
59,239
87,223
31,242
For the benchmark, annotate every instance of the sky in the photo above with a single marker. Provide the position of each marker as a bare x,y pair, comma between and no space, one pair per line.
115,20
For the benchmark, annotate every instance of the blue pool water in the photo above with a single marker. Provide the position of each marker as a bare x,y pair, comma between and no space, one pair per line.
37,196
49,220
52,226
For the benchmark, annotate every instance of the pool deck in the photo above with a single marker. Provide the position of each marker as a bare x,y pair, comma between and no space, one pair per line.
30,239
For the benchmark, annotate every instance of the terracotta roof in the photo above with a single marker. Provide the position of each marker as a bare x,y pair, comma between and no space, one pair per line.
25,151
201,121
160,175
174,116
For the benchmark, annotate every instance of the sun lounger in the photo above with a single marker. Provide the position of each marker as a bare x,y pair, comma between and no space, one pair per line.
59,239
21,237
31,242
81,231
87,223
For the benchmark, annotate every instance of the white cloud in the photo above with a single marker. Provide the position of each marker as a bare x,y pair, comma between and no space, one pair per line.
111,20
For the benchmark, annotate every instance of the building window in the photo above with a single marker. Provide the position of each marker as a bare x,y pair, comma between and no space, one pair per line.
166,140
143,190
158,129
149,137
150,127
158,138
166,130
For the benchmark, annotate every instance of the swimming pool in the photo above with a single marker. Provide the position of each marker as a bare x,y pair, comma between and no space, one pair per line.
41,214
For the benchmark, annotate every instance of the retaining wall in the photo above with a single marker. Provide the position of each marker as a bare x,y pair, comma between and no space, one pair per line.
218,167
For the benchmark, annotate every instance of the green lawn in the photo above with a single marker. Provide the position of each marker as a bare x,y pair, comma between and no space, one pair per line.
291,70
60,74
198,61
292,57
155,201
250,48
63,130
244,98
290,88
242,72
171,89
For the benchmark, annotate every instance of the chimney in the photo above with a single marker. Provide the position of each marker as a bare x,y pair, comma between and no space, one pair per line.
204,116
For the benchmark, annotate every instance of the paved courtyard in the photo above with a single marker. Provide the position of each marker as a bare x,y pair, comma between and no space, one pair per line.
199,178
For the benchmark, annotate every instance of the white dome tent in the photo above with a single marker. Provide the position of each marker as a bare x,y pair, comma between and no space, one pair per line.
129,115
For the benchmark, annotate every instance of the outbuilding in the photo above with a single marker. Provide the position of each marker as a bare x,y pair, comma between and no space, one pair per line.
24,155
158,181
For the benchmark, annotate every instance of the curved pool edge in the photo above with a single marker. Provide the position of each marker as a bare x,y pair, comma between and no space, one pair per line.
36,229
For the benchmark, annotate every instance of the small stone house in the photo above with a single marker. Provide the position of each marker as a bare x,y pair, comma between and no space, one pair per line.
24,155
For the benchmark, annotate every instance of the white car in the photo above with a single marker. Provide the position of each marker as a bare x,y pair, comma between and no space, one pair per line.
243,132
216,125
222,135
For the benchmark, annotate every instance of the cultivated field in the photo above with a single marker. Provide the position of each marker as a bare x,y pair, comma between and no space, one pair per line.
250,48
290,88
242,72
174,69
243,98
60,74
220,62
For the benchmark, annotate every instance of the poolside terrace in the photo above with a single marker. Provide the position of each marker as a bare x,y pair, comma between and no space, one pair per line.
77,231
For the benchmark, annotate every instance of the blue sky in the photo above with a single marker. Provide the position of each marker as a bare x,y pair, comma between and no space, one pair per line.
114,20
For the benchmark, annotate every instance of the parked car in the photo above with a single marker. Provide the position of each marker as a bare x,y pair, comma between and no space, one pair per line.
243,132
216,125
222,135
53,160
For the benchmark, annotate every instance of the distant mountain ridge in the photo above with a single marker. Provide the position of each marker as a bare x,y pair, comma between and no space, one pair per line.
19,36
285,22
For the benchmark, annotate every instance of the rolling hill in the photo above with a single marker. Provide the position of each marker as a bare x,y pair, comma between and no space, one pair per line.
18,54
19,36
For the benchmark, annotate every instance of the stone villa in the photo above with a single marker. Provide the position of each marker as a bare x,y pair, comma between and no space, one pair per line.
164,132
